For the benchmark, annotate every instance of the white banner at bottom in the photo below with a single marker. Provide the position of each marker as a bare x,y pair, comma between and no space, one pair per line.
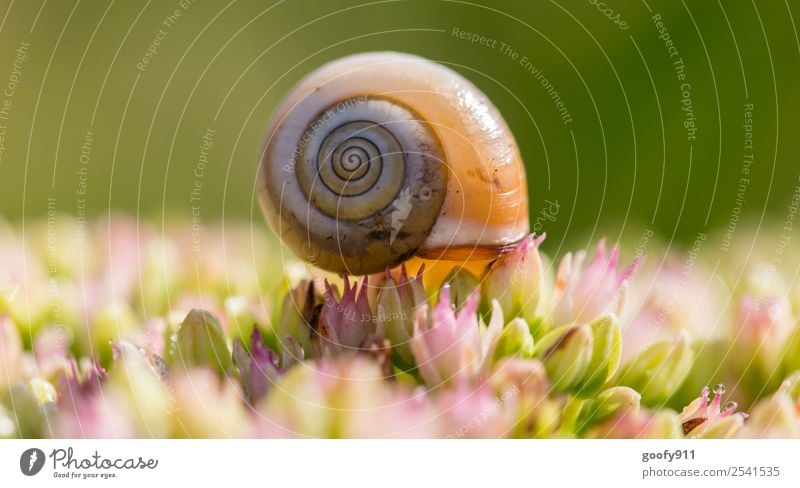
226,463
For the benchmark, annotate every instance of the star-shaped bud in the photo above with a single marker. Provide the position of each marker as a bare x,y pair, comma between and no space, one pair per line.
707,418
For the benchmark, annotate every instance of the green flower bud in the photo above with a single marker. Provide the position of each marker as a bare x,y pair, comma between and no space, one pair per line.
537,415
606,353
608,403
705,370
137,383
300,402
240,316
397,305
777,416
398,331
566,353
291,352
208,408
515,280
658,371
29,421
639,424
794,385
110,323
462,283
724,428
43,391
27,302
665,425
202,342
515,340
296,313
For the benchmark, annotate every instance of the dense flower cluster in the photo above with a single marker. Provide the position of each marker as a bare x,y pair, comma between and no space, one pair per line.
113,329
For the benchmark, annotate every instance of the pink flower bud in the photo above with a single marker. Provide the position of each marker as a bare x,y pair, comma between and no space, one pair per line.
639,424
584,292
764,328
707,418
515,280
446,343
344,325
470,412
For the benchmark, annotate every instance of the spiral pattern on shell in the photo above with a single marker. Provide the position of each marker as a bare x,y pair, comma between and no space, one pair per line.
355,159
373,181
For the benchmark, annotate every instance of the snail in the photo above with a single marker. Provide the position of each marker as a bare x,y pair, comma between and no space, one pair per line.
378,157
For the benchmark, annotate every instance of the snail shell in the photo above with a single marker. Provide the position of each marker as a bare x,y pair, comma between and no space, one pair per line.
376,157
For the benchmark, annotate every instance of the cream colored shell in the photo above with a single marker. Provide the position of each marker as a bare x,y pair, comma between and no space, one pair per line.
376,157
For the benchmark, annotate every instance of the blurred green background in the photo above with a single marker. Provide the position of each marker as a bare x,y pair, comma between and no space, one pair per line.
622,163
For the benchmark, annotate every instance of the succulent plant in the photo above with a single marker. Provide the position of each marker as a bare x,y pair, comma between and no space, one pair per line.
509,352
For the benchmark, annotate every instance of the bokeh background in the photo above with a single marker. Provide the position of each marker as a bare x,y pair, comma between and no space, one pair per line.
624,162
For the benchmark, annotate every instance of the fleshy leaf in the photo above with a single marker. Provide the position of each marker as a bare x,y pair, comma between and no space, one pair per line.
202,342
